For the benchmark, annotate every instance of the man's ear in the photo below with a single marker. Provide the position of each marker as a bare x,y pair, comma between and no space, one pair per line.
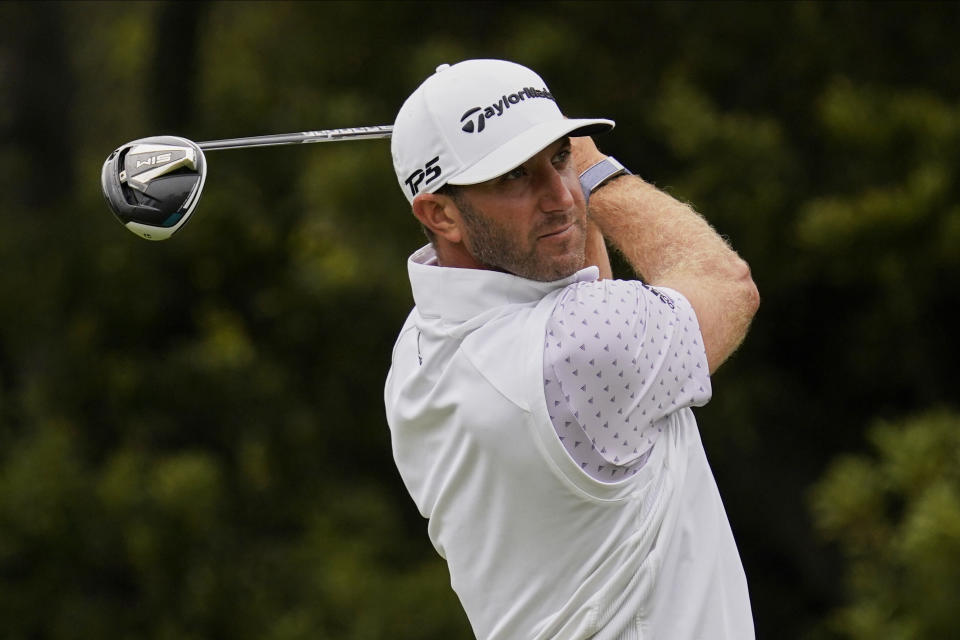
440,214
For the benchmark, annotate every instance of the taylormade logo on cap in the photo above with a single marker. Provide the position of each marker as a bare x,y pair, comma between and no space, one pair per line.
436,137
499,107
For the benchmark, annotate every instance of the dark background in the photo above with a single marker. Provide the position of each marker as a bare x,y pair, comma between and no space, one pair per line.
192,438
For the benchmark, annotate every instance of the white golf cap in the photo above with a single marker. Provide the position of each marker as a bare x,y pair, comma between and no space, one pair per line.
474,121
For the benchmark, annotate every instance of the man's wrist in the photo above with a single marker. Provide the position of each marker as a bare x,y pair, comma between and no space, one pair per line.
600,173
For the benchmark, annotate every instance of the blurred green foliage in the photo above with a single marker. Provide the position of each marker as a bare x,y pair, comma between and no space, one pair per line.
896,515
192,440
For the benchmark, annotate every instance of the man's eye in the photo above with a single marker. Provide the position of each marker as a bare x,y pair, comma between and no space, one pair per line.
517,173
561,158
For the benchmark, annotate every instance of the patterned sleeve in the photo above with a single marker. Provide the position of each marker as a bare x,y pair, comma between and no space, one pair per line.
619,357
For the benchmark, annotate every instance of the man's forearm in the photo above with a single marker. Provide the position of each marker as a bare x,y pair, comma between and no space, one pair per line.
669,244
596,250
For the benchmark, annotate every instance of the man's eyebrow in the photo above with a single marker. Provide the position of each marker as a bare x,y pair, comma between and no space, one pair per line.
560,144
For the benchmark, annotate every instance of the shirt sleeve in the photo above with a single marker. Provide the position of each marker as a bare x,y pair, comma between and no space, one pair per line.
619,357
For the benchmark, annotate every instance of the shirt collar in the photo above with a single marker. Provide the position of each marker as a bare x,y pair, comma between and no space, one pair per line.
459,294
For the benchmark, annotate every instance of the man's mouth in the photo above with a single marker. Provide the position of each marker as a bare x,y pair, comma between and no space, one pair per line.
558,231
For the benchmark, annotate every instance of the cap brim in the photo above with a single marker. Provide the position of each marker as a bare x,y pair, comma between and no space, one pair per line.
526,145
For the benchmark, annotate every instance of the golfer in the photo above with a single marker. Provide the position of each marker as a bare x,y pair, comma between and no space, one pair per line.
540,411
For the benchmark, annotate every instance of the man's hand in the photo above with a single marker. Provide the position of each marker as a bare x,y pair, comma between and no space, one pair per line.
585,153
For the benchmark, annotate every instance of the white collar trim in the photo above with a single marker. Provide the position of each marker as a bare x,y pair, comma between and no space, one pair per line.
457,295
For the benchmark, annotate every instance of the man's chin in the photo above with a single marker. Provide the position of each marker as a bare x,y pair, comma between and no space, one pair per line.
556,269
570,253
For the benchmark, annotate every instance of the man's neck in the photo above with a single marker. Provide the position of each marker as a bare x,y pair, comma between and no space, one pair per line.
457,256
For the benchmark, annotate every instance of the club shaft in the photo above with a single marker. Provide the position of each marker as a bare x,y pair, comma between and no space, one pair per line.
304,137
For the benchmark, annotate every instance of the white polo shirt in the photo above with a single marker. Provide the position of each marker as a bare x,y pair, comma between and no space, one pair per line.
538,544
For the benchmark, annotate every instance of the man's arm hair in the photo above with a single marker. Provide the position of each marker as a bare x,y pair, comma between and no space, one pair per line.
669,244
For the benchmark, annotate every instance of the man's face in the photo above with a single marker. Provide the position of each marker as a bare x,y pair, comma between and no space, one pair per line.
530,221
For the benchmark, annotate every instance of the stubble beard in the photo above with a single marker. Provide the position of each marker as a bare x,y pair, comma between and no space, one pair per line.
497,248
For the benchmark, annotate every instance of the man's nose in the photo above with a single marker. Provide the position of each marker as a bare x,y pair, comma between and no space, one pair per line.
555,195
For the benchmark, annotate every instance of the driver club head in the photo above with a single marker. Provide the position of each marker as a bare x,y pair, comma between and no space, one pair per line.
152,185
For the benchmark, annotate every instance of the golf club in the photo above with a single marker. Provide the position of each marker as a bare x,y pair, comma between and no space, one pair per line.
152,185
